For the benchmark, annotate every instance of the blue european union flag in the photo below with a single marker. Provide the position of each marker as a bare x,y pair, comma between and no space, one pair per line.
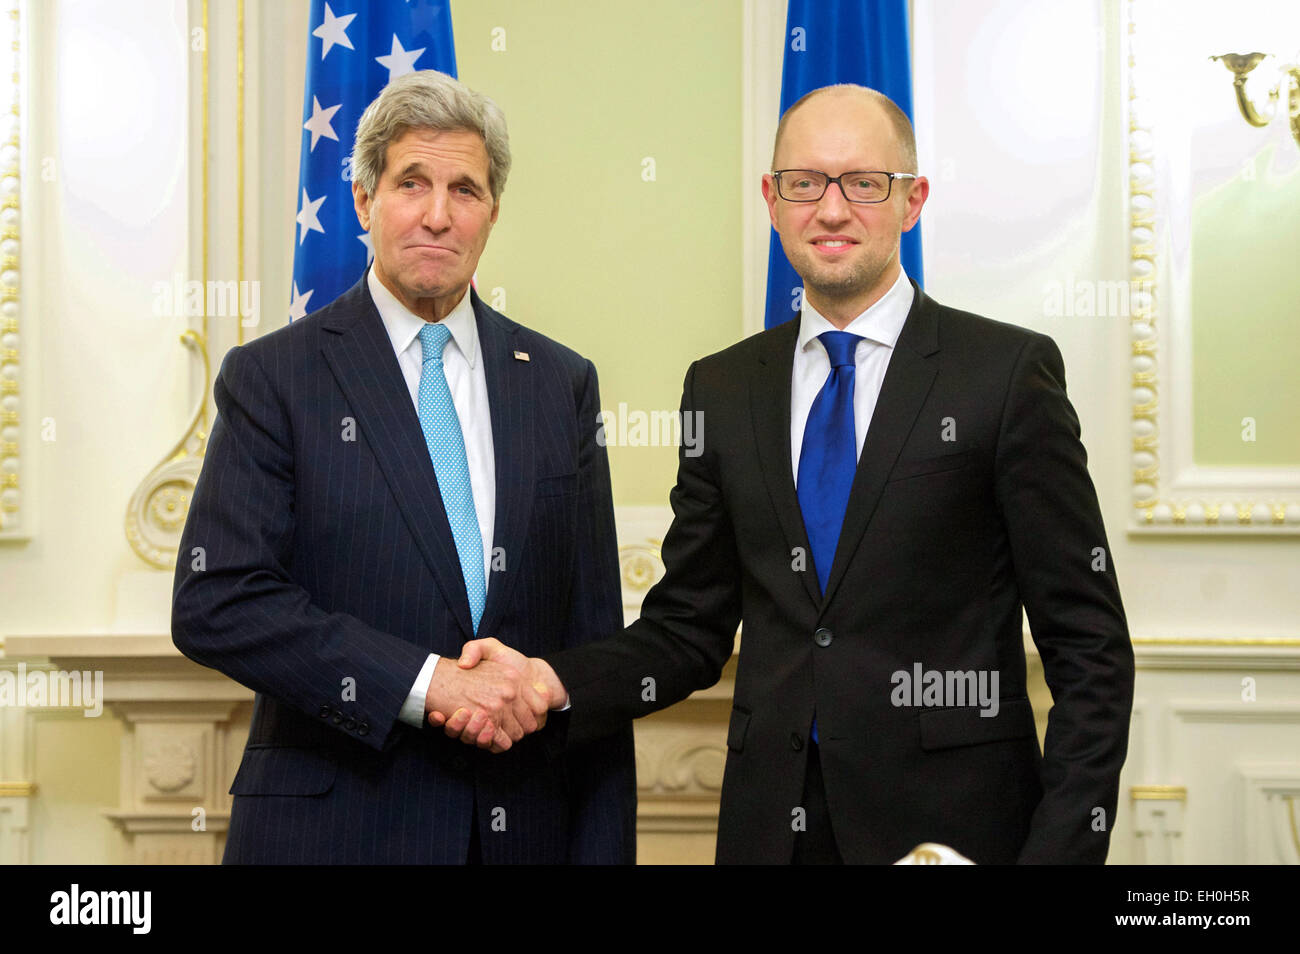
841,41
354,48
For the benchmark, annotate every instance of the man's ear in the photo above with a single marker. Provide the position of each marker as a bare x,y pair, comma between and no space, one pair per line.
916,197
496,210
769,194
361,202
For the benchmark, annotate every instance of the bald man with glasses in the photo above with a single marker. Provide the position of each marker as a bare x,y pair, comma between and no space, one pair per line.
885,484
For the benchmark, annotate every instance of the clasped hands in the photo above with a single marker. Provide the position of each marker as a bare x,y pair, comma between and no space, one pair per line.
494,694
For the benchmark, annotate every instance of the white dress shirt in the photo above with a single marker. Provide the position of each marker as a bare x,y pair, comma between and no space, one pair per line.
467,381
879,326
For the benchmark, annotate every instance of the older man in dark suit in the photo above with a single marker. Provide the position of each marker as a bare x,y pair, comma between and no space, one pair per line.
387,477
884,484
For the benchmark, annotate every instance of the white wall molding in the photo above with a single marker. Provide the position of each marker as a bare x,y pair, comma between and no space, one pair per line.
1226,654
1211,775
762,54
1271,804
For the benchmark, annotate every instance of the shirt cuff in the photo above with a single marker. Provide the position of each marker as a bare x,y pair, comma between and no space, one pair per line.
413,708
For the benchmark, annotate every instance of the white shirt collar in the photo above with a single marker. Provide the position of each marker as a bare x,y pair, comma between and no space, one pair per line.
404,326
881,323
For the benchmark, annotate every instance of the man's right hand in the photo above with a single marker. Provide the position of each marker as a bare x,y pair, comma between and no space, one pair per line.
465,724
503,705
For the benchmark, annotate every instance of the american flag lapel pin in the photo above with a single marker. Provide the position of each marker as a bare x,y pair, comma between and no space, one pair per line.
521,356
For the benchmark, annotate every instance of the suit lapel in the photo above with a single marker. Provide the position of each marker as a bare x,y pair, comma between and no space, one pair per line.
770,407
511,396
360,355
907,382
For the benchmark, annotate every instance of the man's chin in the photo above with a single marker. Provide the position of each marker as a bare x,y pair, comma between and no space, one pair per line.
417,287
844,279
839,288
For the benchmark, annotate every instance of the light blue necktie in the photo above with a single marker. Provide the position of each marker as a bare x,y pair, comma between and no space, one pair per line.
829,457
446,444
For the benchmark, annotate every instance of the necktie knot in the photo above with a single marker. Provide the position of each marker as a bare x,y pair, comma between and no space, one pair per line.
433,339
840,346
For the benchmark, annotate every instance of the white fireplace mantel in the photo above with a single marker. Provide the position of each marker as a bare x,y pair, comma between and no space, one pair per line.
184,725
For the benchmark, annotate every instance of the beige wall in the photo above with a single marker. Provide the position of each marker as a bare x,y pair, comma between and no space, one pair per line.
642,277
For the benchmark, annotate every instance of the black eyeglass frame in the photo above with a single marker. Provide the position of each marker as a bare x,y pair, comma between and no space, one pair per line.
777,173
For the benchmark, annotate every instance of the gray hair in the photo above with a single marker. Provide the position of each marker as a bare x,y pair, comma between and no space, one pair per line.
428,99
897,118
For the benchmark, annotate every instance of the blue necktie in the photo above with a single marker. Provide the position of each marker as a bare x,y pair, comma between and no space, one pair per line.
446,444
829,457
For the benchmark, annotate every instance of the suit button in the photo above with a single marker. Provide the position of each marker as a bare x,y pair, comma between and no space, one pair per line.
325,712
823,637
363,728
796,741
350,724
338,717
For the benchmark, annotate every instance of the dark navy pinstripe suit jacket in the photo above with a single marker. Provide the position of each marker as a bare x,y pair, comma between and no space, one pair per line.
328,563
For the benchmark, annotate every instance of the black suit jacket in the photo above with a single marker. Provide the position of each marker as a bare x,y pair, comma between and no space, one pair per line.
943,542
318,568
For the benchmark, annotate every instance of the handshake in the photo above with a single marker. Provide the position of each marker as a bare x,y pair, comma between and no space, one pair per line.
492,696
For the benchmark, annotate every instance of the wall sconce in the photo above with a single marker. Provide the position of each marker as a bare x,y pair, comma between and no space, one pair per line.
1241,65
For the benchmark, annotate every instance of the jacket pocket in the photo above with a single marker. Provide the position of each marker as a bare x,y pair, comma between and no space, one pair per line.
736,731
929,465
556,486
949,728
284,770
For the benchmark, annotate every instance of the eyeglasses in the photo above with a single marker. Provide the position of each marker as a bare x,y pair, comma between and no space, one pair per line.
809,185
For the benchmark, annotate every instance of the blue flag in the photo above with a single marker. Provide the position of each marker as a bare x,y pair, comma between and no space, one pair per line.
841,41
354,48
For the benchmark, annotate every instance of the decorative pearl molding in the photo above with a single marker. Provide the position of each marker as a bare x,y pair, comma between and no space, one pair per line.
12,518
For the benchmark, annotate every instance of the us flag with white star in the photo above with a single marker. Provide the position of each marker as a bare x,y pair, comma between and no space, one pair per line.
354,49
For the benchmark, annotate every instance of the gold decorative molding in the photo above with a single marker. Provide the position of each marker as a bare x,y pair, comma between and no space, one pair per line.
207,116
1228,641
1161,793
17,789
12,524
239,151
1295,835
155,515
